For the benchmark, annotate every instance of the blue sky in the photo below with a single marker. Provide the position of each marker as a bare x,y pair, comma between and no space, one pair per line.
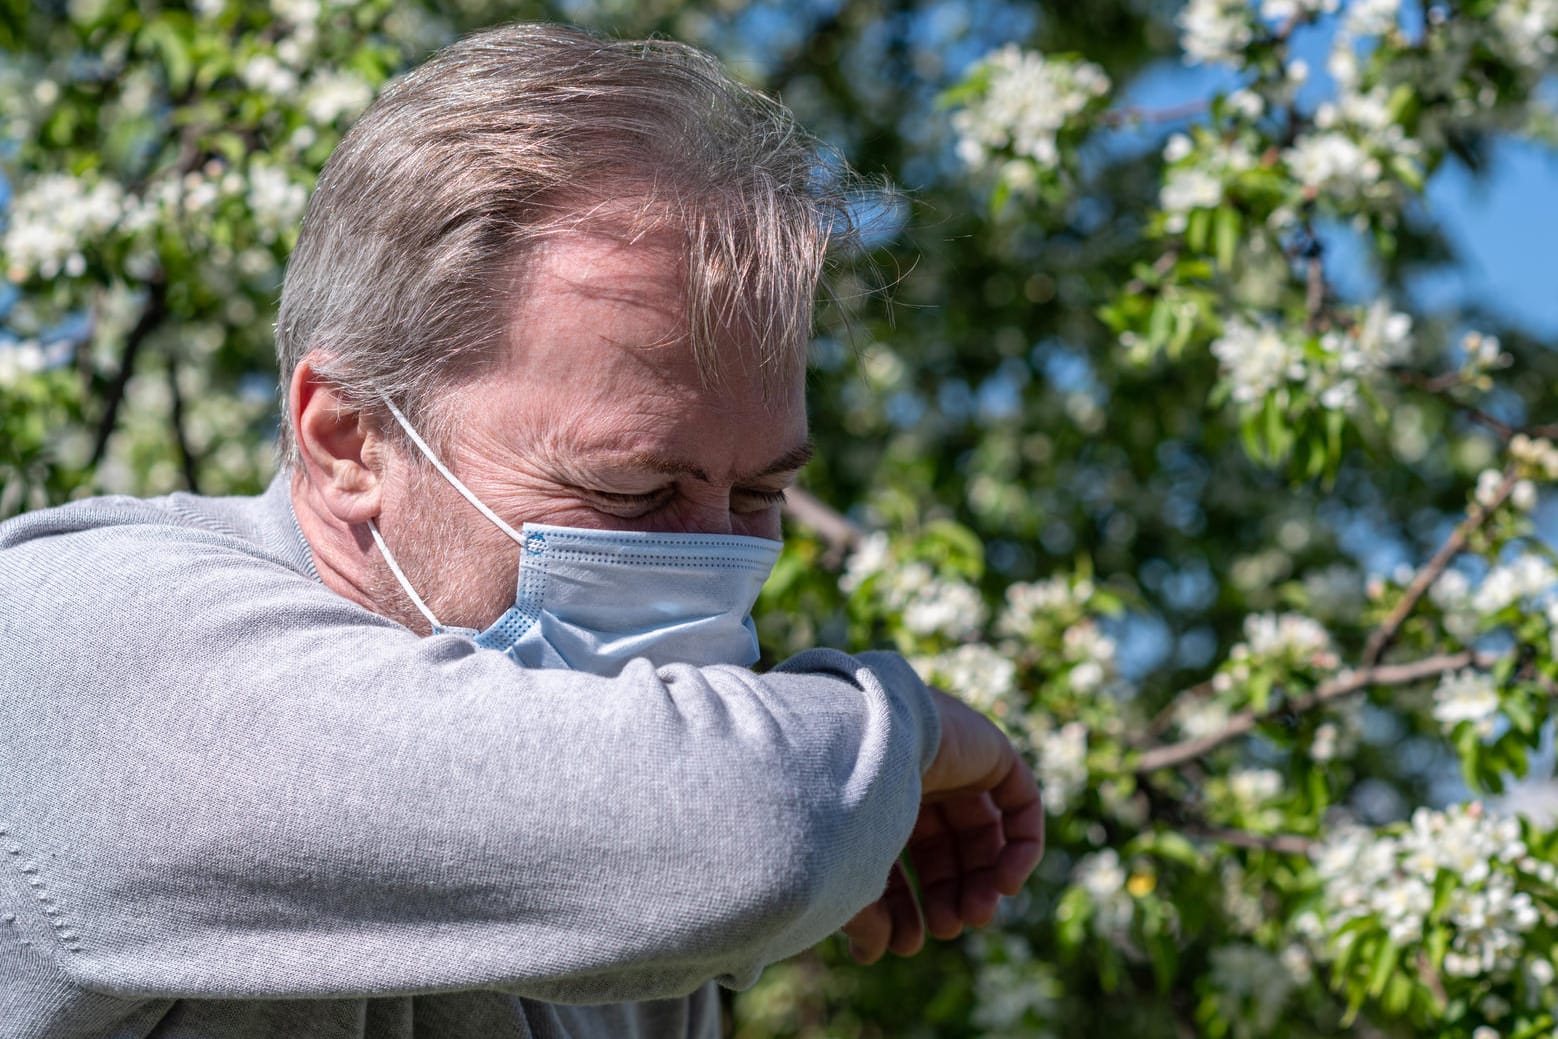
1504,222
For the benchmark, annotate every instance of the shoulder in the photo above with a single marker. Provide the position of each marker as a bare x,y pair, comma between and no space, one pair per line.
113,571
262,523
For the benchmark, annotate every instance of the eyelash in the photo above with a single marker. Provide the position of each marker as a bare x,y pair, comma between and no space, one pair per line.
766,497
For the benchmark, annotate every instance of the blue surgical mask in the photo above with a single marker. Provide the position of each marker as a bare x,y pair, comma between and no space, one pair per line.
592,600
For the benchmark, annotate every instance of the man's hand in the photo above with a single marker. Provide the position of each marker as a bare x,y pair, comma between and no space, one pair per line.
980,834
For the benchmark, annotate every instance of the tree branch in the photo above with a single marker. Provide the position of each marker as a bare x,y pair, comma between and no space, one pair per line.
1283,843
1173,754
1164,719
1314,281
1168,114
1441,385
838,531
1385,634
152,316
186,453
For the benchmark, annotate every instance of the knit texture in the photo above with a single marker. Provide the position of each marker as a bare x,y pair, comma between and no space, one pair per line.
234,804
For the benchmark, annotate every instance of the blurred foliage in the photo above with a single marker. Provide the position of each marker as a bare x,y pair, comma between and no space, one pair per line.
1091,518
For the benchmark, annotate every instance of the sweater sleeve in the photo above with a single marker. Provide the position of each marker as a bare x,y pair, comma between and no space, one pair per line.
220,779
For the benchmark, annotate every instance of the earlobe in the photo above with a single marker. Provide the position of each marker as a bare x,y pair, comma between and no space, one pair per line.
339,445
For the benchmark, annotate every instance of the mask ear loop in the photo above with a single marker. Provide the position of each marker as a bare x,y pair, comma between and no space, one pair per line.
447,475
405,585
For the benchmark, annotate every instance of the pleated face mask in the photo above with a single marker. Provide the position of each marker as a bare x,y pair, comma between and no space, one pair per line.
592,600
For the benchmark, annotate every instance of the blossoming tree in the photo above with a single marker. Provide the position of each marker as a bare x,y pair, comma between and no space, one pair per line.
1246,557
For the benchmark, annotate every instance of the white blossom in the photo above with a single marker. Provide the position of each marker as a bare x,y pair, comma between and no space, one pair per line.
1084,644
1214,30
1287,636
1382,338
1253,787
1481,354
52,221
978,674
1466,696
1538,453
1249,976
1199,184
1526,576
20,359
1286,10
1033,603
1323,747
1526,30
1185,189
331,96
296,12
276,202
870,557
1296,960
1028,101
1332,162
1488,482
951,608
1256,359
1393,877
267,75
1370,17
1061,757
1201,716
1247,103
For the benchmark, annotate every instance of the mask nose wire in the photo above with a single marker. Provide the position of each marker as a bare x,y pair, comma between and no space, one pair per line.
454,481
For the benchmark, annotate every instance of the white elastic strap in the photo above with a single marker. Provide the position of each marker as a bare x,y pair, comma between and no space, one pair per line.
378,539
453,480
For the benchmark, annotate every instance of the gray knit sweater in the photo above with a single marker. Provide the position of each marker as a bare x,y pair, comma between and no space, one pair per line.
234,804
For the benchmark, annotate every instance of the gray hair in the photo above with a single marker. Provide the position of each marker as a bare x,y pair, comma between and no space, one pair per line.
405,265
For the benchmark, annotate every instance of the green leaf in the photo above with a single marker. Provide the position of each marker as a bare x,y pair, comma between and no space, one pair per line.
1380,969
177,63
1196,228
1229,226
1159,322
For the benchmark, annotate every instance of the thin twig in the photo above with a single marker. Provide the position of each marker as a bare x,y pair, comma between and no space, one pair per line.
186,453
1382,636
1441,385
1284,843
838,531
1173,754
152,315
1168,114
1314,288
1164,719
1161,266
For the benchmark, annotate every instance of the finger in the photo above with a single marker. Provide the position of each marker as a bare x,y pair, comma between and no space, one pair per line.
908,927
934,854
1022,822
976,825
869,932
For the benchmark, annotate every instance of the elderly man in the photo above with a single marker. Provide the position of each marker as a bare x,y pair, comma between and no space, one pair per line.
452,732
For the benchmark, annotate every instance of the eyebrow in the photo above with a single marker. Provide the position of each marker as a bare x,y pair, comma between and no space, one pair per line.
793,459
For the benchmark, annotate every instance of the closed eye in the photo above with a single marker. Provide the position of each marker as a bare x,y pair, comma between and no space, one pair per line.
628,506
752,499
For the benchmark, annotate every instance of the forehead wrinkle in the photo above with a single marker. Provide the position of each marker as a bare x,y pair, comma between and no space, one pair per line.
790,461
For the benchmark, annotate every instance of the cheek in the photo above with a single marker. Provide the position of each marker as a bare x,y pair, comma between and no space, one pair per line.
765,524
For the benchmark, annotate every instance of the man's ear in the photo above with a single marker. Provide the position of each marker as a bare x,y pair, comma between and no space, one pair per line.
342,451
